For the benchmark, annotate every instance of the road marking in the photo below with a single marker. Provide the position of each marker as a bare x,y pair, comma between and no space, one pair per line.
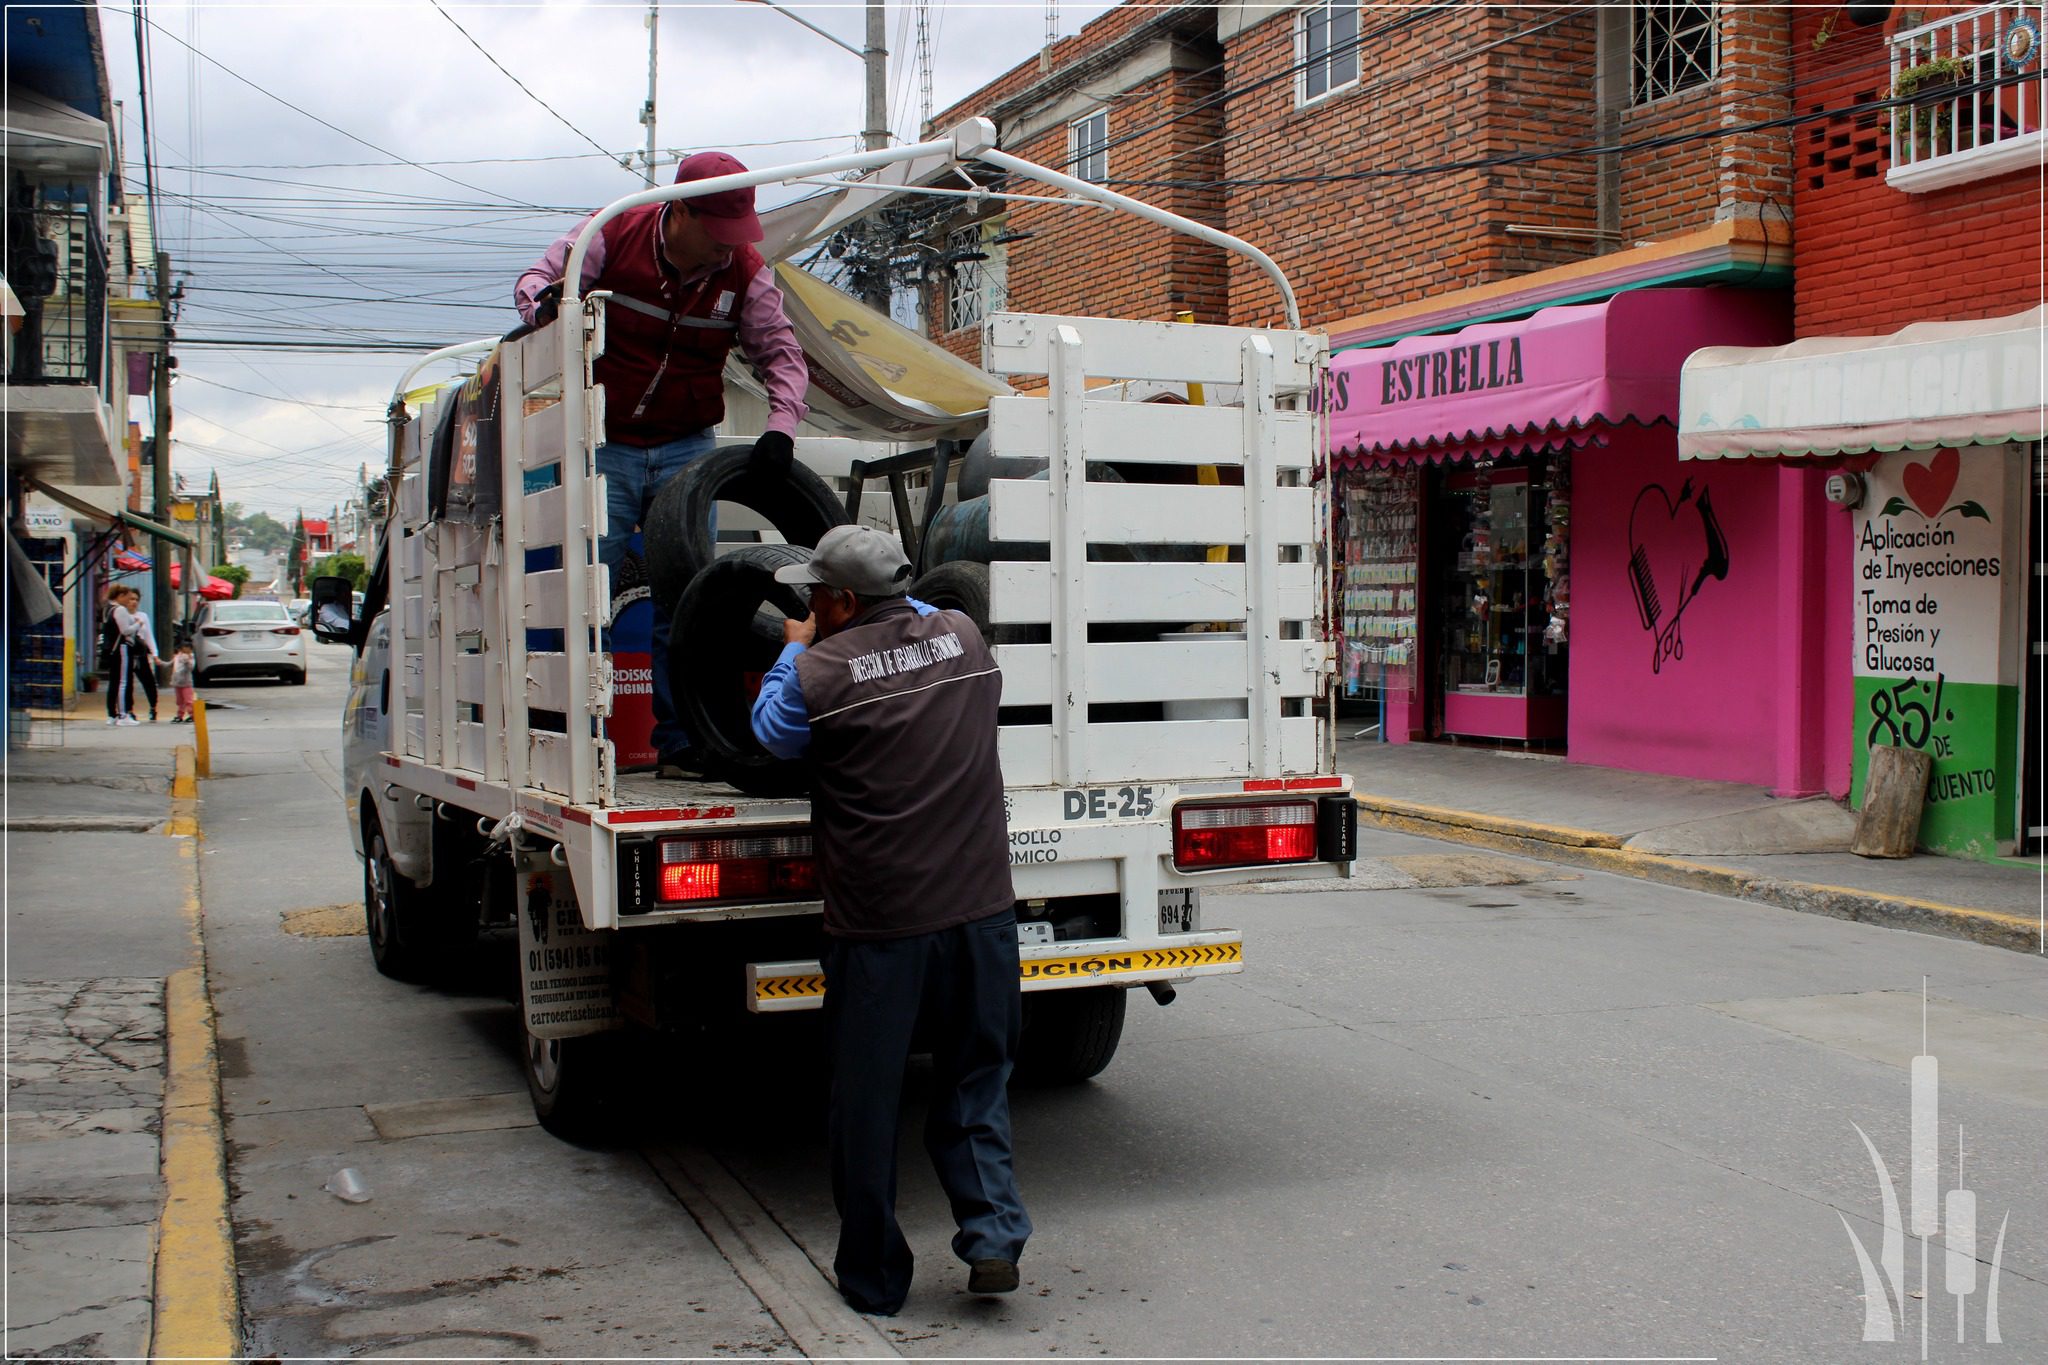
195,1313
781,1274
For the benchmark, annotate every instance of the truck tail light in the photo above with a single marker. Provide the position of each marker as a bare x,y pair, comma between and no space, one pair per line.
776,867
1244,835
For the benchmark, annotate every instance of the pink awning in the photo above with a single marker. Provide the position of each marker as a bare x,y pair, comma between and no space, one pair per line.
1558,378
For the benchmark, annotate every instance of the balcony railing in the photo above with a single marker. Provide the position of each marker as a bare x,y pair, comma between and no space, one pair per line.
1974,85
56,262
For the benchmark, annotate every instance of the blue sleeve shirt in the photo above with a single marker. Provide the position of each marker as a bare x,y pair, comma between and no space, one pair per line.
779,718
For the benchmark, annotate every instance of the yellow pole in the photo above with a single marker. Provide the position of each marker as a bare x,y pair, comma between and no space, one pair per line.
202,748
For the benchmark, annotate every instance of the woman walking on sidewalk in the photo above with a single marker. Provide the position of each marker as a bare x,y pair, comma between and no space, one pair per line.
145,658
117,654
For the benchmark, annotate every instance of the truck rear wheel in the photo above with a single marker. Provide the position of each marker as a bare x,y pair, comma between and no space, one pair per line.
1069,1036
571,1082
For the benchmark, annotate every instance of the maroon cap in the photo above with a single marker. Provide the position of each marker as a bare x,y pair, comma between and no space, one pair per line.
729,214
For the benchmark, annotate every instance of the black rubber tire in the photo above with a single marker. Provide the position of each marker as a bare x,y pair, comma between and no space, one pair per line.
716,639
390,904
959,585
677,534
1069,1036
574,1083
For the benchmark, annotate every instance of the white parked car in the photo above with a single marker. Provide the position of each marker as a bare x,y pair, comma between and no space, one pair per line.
247,639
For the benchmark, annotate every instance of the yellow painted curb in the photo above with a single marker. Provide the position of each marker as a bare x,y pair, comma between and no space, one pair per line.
1990,927
1374,806
195,1253
195,1313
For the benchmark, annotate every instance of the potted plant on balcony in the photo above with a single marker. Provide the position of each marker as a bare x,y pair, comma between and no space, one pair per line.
1928,84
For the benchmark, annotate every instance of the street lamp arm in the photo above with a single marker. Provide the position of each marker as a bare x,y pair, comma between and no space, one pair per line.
794,17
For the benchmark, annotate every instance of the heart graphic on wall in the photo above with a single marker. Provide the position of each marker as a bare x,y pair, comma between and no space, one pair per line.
1675,546
1929,485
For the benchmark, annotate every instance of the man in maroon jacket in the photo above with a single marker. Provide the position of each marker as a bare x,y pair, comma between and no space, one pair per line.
687,285
895,704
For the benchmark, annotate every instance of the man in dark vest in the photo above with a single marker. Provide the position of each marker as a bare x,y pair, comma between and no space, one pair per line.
687,285
894,702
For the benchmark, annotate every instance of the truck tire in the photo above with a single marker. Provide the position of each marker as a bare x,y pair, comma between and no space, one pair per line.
573,1083
1069,1036
677,533
417,933
957,586
390,902
717,642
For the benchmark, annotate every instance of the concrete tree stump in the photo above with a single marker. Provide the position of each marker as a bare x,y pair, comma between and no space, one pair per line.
1893,798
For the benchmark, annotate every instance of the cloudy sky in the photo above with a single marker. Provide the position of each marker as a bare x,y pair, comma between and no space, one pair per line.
358,174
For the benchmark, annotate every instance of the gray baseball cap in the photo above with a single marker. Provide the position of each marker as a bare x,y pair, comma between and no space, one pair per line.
859,559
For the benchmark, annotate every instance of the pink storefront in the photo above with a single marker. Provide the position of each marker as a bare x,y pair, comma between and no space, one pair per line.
1522,559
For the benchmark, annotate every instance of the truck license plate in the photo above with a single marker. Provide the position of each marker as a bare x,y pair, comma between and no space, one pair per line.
1180,909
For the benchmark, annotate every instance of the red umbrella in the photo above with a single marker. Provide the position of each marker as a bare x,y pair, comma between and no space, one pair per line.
127,561
216,589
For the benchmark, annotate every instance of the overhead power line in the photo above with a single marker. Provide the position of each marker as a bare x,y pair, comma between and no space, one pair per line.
516,81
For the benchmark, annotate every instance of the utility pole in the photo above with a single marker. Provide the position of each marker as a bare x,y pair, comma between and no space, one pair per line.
876,55
160,465
653,59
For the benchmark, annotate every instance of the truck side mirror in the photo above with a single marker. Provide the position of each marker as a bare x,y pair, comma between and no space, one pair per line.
333,609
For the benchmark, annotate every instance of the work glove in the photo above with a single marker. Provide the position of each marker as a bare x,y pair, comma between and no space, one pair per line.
772,454
545,303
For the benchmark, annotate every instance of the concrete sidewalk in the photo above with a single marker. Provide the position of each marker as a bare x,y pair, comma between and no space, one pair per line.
102,916
1721,837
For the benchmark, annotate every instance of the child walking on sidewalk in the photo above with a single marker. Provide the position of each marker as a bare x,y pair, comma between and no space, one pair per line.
181,683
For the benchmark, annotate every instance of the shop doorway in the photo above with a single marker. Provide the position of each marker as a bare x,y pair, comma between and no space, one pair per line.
1495,655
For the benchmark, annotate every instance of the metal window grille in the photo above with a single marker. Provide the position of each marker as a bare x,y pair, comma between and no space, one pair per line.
1088,146
965,306
1674,47
1325,49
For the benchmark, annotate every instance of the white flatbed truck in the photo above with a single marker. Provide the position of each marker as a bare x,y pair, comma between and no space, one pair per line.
481,789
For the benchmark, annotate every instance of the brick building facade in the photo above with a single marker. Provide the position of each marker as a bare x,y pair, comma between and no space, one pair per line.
1972,250
1367,194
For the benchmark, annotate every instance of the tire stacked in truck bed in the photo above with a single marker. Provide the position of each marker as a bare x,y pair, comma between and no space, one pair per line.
726,611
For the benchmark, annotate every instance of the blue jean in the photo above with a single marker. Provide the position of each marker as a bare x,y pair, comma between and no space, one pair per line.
962,983
633,475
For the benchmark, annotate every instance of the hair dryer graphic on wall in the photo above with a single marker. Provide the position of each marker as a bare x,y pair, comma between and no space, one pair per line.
1671,556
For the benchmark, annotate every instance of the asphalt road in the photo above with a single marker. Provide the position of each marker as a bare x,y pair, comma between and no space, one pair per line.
1561,1116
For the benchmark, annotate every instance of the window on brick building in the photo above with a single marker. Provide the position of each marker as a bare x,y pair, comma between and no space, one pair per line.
1325,49
980,286
1672,48
1088,147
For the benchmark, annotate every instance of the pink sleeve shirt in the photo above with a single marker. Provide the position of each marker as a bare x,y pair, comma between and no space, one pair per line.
765,336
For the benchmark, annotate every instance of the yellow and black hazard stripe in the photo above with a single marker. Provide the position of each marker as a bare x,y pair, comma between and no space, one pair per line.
805,988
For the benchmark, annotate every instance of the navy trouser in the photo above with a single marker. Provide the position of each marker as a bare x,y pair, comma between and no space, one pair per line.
962,982
632,476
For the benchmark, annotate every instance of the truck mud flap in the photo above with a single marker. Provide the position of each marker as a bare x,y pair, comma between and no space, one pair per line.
773,987
565,973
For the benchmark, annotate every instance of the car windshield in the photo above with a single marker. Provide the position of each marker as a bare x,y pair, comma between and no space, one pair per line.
234,613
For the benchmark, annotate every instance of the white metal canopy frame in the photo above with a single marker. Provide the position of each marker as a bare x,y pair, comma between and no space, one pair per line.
1930,384
973,140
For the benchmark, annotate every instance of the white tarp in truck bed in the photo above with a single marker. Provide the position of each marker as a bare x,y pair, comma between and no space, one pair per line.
871,376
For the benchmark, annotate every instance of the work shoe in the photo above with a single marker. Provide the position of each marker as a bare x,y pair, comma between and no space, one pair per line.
992,1276
684,765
